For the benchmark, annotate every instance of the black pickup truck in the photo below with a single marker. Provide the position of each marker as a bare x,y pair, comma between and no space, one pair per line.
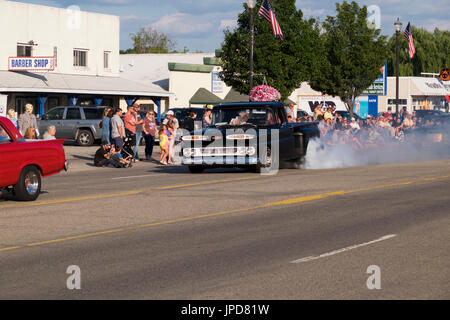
247,134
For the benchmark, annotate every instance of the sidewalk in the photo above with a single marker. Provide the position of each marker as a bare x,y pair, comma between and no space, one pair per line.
82,158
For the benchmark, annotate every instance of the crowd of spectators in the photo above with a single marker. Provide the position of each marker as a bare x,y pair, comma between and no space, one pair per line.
371,132
27,125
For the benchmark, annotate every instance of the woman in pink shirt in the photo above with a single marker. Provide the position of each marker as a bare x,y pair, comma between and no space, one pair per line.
149,128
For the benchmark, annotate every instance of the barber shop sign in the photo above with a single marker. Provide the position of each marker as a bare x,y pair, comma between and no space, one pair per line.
31,63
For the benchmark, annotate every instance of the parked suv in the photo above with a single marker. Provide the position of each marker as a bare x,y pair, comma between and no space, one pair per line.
81,124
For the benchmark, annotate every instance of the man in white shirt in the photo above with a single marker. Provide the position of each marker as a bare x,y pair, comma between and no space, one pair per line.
354,124
50,133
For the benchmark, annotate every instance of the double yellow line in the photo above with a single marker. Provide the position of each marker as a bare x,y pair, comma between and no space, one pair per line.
222,213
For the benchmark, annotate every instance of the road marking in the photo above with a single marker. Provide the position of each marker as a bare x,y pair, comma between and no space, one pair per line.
141,176
203,183
222,213
332,253
10,248
119,194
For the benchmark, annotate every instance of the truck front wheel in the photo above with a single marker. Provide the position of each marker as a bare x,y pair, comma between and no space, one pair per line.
29,185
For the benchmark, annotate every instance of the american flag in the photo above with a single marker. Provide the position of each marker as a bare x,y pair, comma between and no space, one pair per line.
267,13
409,37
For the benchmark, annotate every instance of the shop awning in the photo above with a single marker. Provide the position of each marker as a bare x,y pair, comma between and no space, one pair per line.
234,96
48,82
203,96
431,86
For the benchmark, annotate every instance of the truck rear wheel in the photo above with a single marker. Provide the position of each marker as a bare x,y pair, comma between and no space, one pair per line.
29,185
85,138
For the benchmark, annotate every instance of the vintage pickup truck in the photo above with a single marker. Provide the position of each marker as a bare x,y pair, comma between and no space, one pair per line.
244,134
23,162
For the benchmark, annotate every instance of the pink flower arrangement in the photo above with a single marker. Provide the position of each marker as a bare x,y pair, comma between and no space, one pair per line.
264,93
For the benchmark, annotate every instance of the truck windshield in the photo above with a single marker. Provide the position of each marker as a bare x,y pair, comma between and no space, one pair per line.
241,116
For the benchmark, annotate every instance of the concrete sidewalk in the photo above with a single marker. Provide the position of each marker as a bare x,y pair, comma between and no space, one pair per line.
82,158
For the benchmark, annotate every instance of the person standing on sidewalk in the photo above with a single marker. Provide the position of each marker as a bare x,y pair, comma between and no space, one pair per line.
117,128
106,125
28,120
206,121
129,120
149,128
139,122
12,116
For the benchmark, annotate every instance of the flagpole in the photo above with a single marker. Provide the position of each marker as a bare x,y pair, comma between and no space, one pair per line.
251,5
398,26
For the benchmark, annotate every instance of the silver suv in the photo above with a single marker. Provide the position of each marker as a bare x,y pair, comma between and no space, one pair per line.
81,124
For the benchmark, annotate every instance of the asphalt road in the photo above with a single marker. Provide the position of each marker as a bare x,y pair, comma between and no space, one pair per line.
153,232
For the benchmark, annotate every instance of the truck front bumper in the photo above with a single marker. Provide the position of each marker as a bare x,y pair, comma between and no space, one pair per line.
220,161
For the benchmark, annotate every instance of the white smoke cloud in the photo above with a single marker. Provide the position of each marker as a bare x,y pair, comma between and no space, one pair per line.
420,146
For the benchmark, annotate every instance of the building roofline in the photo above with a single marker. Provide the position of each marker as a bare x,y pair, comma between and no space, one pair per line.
98,92
60,8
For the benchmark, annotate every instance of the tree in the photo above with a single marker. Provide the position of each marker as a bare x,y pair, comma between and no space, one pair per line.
354,53
149,40
432,52
283,64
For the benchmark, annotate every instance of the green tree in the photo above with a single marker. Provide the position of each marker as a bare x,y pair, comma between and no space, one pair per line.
283,64
354,53
432,52
149,40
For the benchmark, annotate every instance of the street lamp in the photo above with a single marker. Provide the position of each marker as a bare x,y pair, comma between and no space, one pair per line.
251,5
398,28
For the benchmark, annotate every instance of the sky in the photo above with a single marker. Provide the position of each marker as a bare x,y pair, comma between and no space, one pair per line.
199,24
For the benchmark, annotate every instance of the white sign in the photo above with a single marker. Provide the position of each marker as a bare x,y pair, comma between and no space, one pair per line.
309,103
3,105
216,82
31,63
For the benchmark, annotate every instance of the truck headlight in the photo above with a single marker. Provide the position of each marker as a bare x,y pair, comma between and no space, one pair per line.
194,138
240,137
187,152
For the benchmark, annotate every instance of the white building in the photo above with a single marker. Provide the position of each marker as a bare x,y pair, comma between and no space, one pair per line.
416,93
153,70
82,49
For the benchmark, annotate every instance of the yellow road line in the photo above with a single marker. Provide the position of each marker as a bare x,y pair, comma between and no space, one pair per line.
119,194
227,212
9,248
203,183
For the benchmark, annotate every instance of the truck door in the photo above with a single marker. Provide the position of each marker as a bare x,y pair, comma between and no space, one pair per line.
286,136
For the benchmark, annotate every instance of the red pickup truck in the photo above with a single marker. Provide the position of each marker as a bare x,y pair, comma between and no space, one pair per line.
24,162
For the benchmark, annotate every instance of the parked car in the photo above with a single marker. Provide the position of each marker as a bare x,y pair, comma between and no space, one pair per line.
243,134
432,115
182,113
24,162
81,124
